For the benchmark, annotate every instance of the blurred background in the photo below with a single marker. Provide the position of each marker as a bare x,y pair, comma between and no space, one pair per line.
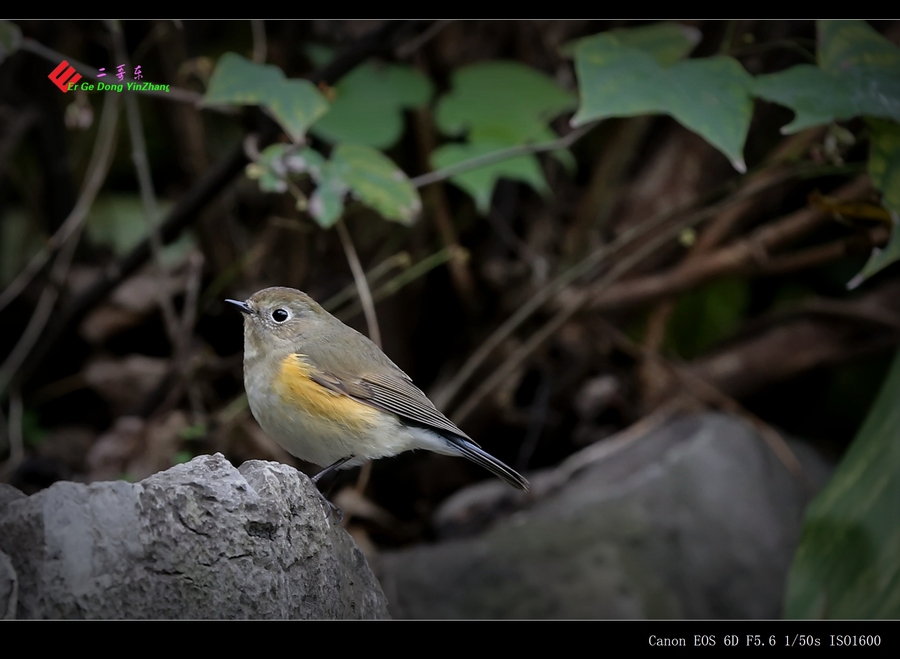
635,286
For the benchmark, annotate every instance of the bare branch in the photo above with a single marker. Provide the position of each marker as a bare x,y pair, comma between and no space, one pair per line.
96,175
362,286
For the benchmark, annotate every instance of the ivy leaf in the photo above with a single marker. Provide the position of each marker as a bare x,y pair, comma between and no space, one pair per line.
326,205
479,182
496,105
295,104
884,170
501,100
710,96
369,105
848,562
666,42
377,182
858,74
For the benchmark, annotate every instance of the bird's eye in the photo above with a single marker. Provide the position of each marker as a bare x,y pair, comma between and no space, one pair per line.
280,315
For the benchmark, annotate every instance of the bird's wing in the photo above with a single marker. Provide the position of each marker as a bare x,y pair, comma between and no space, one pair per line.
390,393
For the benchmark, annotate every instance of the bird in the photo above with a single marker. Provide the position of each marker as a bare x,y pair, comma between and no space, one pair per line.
328,395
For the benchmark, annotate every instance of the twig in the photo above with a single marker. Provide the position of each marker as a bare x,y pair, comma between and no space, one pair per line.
714,233
409,275
96,175
750,253
362,286
782,345
148,198
820,254
710,394
587,265
570,306
434,199
258,28
406,49
188,320
537,419
789,229
398,260
42,257
41,314
503,154
174,93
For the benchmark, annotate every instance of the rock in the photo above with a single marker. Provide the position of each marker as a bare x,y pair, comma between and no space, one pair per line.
200,540
9,588
695,519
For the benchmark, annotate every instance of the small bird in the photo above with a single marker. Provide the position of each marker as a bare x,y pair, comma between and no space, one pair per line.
330,396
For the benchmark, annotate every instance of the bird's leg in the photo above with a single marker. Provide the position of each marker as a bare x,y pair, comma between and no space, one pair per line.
325,502
332,467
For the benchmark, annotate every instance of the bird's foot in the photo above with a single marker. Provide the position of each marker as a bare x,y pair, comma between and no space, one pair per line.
330,507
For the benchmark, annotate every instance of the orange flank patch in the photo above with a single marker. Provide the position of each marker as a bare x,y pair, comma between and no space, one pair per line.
295,387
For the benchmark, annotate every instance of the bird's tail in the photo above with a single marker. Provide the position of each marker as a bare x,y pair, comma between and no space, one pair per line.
488,461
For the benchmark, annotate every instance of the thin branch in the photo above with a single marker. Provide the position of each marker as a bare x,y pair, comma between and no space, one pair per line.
790,229
346,294
710,394
362,286
148,196
96,175
258,28
503,154
409,275
571,305
37,262
41,314
589,264
748,254
404,50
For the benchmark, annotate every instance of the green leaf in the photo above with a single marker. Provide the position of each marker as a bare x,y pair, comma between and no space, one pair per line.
498,105
319,54
118,222
377,182
854,45
858,74
370,102
479,183
884,160
884,170
666,42
815,96
10,39
710,96
503,102
295,104
848,562
326,205
367,174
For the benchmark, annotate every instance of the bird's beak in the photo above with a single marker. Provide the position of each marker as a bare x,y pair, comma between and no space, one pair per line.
243,306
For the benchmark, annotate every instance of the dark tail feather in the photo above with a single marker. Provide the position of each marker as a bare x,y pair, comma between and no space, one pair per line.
488,461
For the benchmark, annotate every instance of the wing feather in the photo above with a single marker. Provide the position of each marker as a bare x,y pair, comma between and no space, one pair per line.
391,393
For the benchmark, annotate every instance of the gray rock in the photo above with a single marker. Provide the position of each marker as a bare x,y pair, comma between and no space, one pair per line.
694,519
200,540
9,588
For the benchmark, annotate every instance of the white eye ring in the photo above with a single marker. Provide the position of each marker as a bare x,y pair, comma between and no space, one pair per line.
280,315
